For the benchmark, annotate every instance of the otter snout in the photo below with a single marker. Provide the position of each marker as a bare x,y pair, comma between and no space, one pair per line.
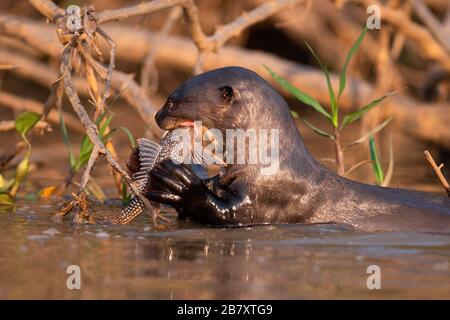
165,117
163,114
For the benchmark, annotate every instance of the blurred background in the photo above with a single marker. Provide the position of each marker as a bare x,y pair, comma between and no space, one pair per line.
409,54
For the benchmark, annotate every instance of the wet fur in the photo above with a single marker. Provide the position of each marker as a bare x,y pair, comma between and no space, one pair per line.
303,191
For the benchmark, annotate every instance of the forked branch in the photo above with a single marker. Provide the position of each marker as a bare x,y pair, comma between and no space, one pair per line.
438,170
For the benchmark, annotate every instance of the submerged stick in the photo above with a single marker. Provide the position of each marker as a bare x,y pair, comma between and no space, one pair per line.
438,170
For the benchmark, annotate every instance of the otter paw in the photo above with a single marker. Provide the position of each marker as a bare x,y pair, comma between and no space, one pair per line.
176,185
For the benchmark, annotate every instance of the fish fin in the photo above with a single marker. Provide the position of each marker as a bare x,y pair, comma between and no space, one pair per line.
207,157
148,152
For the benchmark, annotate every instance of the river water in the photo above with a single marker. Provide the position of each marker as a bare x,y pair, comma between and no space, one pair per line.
186,261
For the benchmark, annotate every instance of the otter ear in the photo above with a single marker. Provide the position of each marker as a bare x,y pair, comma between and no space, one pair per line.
226,93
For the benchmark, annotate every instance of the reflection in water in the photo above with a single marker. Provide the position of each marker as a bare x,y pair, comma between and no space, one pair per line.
185,261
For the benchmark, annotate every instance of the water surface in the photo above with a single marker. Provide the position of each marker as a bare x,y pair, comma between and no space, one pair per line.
187,261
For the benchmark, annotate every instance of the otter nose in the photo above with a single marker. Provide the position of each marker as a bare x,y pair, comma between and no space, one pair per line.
164,111
159,116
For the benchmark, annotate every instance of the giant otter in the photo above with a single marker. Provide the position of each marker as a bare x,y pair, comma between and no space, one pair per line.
302,191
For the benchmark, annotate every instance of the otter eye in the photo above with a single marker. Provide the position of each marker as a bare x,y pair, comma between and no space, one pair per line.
226,93
169,104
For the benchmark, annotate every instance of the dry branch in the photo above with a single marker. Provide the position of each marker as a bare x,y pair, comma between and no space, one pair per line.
432,125
123,83
204,43
92,133
420,35
43,37
149,72
48,9
20,104
11,125
438,170
438,29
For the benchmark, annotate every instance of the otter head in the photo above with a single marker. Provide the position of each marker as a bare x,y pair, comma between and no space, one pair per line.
225,98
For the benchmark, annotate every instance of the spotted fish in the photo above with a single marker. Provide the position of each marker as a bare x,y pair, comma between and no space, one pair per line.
145,157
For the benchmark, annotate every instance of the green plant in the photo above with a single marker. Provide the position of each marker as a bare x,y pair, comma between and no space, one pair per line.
76,163
380,176
8,188
338,123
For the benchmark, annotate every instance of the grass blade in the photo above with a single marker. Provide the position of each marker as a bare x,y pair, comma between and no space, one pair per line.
85,152
94,189
376,164
352,117
126,196
105,125
130,136
295,114
370,133
317,130
66,140
343,75
300,95
333,102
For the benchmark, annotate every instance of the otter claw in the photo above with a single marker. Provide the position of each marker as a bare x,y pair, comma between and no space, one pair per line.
163,197
167,181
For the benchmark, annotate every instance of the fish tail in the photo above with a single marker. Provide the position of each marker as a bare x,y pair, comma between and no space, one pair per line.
135,208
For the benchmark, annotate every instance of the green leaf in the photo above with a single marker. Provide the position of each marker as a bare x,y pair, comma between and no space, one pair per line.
300,95
105,125
351,117
370,133
66,139
26,121
333,102
5,184
6,200
21,173
343,75
317,130
101,117
376,164
126,197
86,144
295,114
129,135
85,152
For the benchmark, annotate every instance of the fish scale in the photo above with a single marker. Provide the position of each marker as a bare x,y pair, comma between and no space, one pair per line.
150,154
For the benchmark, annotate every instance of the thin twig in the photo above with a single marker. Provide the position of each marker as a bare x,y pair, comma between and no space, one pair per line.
48,9
92,130
204,43
432,23
357,165
6,66
438,170
417,33
121,82
20,104
148,66
11,125
415,123
112,59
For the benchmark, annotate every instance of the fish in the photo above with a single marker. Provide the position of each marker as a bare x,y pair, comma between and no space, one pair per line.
149,153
